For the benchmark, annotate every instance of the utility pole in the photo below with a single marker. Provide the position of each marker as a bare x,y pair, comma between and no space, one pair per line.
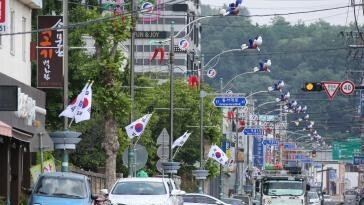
237,170
221,194
171,62
131,151
64,167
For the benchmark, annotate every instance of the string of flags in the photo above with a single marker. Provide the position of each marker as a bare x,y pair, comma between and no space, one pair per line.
80,108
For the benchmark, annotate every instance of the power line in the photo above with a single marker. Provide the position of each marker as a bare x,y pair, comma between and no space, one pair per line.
75,25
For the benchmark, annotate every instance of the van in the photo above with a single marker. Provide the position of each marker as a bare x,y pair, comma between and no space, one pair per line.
59,188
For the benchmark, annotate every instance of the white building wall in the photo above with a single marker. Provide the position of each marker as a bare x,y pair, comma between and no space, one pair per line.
17,64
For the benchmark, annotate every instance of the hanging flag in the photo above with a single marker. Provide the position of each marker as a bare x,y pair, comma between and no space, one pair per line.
72,108
218,155
84,110
179,142
136,128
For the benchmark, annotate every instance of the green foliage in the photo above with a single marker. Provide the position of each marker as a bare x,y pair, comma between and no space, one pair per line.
299,53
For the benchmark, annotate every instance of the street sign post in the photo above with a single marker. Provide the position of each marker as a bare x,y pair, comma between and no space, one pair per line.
347,87
358,160
331,88
253,131
271,142
230,101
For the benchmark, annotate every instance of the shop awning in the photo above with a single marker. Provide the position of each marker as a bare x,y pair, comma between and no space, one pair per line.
5,129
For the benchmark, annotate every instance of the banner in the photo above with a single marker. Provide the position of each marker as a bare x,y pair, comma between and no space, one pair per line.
50,52
48,166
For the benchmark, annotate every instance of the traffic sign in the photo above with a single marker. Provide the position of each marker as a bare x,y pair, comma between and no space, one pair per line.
271,142
253,131
347,87
358,160
230,101
331,88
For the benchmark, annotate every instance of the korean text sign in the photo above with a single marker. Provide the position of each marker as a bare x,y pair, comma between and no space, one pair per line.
50,52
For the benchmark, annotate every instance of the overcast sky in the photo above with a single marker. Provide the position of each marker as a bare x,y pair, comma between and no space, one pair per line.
337,17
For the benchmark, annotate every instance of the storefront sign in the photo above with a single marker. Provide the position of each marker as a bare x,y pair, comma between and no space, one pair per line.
151,34
50,52
4,10
26,108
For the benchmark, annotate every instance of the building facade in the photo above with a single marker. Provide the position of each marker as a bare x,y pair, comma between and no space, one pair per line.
22,107
156,26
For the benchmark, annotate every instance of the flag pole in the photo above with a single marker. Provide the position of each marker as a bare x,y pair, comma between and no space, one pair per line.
174,154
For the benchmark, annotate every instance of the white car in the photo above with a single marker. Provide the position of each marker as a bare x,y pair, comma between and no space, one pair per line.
201,199
313,198
145,191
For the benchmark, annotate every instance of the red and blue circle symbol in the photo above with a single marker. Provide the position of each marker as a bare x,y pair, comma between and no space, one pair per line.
218,154
147,7
139,127
183,44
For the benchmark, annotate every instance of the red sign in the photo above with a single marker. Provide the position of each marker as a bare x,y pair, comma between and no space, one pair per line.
347,87
2,11
331,88
50,52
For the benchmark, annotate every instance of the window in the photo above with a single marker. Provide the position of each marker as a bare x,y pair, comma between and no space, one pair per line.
12,29
59,186
23,38
139,188
188,199
205,200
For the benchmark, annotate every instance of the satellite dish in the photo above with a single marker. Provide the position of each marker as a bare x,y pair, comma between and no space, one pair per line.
141,157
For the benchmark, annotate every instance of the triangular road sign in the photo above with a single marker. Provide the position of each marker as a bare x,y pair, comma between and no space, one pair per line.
331,88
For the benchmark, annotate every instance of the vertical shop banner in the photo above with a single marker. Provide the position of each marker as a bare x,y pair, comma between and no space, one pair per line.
362,103
258,151
50,52
4,13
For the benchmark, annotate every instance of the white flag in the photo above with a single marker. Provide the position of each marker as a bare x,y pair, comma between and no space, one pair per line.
72,108
218,155
84,111
179,142
136,128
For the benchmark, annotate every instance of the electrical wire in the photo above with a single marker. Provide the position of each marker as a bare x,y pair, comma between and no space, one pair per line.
95,21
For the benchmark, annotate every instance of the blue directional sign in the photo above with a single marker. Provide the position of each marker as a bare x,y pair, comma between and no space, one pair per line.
230,101
253,131
289,146
270,142
358,160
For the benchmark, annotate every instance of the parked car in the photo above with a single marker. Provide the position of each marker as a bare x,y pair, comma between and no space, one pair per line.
233,201
201,199
245,198
145,191
59,188
313,198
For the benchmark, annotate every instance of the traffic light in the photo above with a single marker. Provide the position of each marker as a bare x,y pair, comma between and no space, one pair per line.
313,153
312,86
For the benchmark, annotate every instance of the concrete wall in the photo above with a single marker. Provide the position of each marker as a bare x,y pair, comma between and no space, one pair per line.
16,63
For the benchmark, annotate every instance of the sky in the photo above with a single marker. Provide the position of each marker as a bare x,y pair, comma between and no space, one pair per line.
337,17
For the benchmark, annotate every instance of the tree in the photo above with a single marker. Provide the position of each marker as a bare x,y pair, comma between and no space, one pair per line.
104,66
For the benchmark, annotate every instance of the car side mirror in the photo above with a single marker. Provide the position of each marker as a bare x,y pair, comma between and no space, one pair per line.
94,196
308,187
104,192
28,191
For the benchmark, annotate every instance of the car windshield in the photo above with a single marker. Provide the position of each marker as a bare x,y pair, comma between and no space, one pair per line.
283,188
61,187
139,188
312,195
